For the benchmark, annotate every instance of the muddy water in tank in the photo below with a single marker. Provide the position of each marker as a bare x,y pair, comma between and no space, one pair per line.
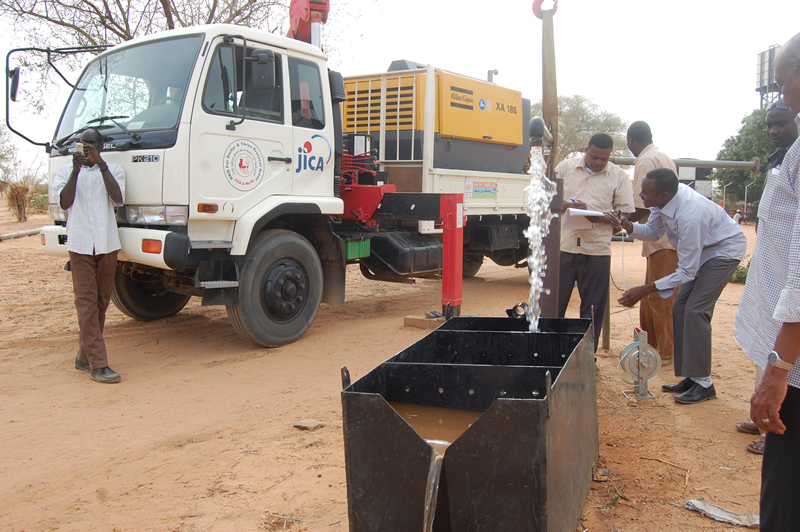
438,426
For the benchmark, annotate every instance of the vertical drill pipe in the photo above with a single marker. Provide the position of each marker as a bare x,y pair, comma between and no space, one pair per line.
548,301
552,242
549,87
451,209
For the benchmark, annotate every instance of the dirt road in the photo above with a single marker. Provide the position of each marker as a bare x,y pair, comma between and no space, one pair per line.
199,434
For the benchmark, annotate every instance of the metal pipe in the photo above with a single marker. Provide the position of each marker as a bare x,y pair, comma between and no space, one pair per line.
19,234
316,34
548,301
753,165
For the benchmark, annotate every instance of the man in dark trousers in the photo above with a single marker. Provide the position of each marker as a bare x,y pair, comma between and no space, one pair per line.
710,245
767,324
591,182
88,189
655,312
782,132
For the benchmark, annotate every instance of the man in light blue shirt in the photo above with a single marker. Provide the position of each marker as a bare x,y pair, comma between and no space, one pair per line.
710,245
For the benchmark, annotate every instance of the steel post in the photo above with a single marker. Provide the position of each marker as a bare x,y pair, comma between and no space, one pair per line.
724,193
745,199
451,208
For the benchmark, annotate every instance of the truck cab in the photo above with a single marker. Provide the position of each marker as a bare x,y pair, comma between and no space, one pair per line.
225,134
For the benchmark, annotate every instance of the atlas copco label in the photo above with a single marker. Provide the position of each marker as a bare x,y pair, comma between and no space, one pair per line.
313,155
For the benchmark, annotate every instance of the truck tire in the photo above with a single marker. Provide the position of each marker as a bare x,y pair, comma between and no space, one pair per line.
145,301
280,289
472,263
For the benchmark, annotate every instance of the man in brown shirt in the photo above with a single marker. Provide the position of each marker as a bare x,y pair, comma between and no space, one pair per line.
591,182
655,312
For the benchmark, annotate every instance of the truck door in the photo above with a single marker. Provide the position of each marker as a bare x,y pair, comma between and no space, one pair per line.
235,164
313,135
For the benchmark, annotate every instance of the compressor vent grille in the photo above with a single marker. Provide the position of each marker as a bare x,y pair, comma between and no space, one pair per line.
362,110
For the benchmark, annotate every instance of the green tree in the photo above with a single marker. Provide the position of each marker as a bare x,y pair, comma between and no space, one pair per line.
578,119
750,141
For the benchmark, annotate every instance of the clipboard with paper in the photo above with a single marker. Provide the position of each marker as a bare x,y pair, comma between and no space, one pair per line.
576,218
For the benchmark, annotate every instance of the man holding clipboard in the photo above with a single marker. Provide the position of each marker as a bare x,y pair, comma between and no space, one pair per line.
591,183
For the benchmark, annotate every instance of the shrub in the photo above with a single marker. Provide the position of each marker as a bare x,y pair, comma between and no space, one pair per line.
740,275
19,196
40,204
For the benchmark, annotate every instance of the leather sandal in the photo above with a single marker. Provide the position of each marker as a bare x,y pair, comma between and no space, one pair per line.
756,446
748,427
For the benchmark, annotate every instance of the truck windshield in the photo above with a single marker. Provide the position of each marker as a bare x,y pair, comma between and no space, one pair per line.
141,87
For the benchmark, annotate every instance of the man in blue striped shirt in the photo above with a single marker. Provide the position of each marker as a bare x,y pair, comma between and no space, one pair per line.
710,245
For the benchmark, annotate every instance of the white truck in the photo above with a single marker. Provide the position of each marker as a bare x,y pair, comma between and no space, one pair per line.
239,189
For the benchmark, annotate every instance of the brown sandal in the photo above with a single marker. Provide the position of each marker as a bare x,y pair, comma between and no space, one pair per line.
748,427
756,446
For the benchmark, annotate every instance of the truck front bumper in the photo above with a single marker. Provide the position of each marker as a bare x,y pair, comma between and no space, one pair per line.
172,253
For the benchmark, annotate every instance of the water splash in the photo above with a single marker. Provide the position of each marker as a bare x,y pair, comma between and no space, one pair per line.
540,193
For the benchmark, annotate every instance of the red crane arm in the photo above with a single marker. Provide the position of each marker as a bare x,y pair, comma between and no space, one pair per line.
303,13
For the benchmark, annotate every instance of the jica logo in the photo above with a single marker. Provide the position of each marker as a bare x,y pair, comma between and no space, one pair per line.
311,156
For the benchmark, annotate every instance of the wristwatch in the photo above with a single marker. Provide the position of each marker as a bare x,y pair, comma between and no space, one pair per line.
775,360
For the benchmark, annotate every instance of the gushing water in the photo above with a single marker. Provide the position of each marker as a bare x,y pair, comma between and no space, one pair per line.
540,193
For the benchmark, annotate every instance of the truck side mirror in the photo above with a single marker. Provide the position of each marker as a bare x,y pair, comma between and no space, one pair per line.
14,75
263,70
336,81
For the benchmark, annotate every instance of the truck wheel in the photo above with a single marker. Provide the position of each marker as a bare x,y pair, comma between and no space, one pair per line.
146,301
280,289
472,263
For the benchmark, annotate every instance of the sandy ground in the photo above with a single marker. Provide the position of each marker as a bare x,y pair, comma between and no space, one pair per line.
199,435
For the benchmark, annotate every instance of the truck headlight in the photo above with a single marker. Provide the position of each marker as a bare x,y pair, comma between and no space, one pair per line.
157,214
57,213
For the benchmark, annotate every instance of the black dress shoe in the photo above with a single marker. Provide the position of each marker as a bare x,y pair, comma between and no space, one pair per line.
684,386
697,394
81,366
105,375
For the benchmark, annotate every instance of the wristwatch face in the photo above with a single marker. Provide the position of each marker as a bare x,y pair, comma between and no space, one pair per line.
775,361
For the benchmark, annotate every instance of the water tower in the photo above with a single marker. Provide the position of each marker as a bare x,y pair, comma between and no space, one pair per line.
765,76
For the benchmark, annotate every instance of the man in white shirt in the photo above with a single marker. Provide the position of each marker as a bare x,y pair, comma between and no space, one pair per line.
88,189
767,324
594,183
782,132
710,245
